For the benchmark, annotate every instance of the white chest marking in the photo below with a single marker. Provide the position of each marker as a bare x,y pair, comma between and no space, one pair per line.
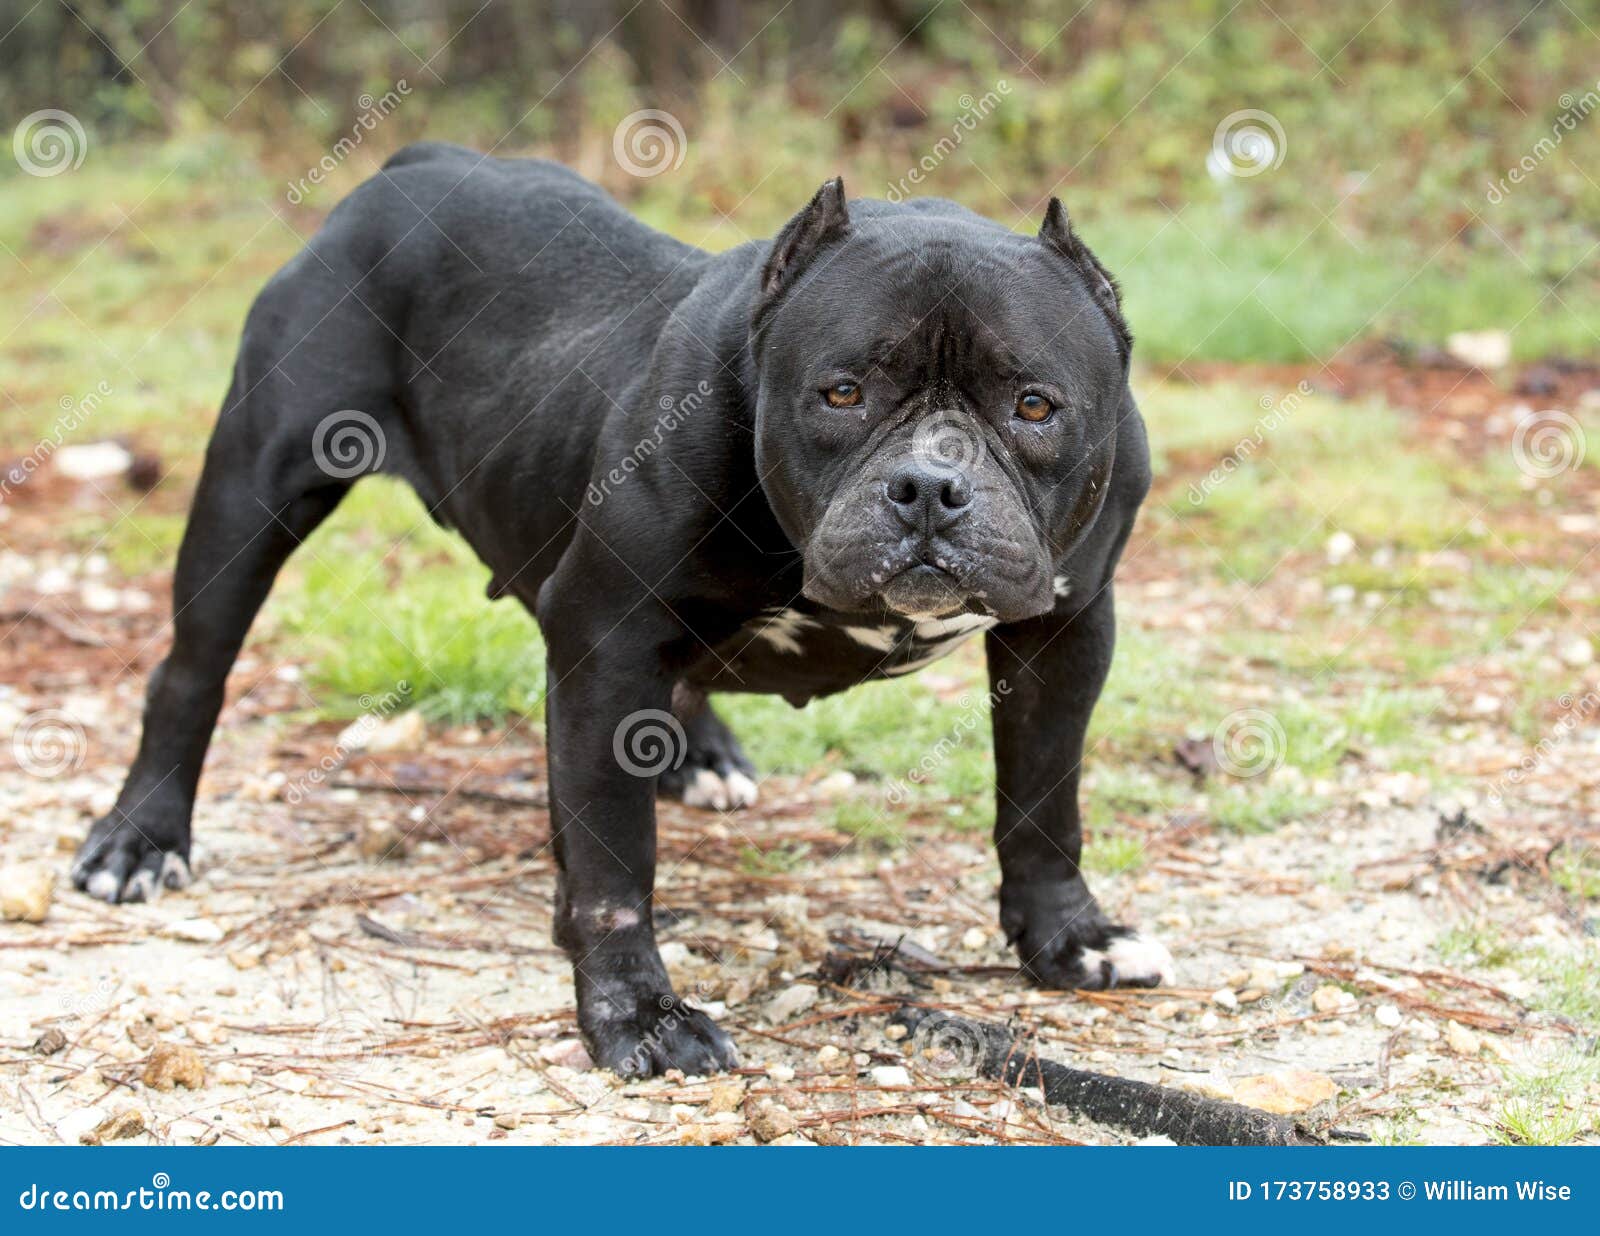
783,630
879,639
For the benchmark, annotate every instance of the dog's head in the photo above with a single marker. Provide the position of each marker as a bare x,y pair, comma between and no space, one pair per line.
937,406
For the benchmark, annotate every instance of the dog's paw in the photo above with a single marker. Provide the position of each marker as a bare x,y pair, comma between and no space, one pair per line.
714,774
663,1033
132,857
1111,956
718,791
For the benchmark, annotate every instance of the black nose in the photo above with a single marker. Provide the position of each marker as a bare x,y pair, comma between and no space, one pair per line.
929,496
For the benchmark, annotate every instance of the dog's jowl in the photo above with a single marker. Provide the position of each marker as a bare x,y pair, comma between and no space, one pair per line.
790,468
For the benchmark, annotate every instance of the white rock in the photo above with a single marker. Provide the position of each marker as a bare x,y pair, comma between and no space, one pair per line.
780,1073
92,461
195,930
1576,652
974,938
1225,998
407,732
790,1002
1482,349
1461,1040
1339,547
835,784
1388,1015
25,893
890,1075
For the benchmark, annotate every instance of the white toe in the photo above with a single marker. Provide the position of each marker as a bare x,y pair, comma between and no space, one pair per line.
706,790
141,887
175,872
104,885
1141,959
742,790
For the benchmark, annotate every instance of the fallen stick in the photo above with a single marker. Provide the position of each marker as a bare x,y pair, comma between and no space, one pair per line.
1122,1102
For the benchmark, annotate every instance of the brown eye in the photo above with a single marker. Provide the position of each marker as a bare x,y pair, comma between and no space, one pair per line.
1034,407
842,395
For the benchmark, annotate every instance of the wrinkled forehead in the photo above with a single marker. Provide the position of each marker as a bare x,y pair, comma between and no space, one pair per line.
917,303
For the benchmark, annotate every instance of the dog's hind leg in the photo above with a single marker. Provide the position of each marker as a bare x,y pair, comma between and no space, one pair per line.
260,494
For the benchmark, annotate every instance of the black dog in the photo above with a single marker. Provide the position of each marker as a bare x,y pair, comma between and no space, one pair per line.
790,468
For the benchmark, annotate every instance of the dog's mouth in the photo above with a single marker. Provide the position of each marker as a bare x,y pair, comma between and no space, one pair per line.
924,589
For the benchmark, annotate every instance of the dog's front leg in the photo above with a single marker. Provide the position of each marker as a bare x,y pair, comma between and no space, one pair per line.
1045,676
610,733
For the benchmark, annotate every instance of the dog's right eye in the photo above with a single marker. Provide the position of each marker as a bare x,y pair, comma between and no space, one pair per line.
842,395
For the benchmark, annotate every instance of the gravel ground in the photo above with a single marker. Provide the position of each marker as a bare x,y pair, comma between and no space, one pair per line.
303,991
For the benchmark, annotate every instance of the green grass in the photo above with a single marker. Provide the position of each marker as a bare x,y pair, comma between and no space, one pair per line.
1549,1100
151,253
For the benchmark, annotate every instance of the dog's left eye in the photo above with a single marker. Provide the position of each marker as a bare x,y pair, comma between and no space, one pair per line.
1034,407
843,395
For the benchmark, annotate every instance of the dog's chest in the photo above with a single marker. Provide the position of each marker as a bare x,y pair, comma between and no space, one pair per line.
804,653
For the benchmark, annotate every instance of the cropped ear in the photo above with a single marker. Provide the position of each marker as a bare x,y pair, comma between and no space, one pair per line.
1057,232
823,221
